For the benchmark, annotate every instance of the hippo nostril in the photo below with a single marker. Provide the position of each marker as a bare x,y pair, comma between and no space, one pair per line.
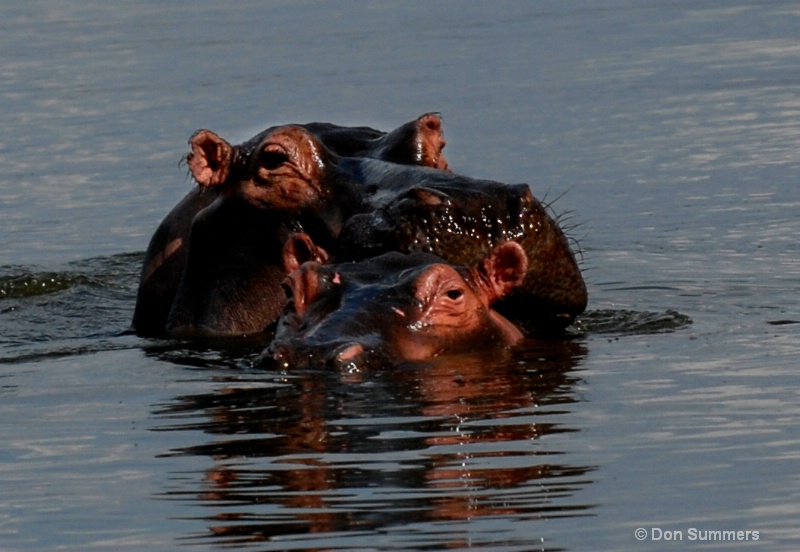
349,352
278,355
347,356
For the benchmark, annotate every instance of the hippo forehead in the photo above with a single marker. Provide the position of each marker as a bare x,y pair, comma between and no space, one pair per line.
404,181
340,140
388,268
479,203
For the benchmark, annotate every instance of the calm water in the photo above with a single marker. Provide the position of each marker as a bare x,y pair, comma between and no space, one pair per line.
668,132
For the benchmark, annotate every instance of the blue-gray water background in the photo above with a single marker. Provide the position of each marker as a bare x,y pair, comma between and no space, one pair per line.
668,131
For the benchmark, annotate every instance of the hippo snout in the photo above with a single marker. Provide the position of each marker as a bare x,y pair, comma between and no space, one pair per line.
339,355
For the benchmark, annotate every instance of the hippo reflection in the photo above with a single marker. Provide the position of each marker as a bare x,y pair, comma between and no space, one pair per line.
396,307
474,420
220,168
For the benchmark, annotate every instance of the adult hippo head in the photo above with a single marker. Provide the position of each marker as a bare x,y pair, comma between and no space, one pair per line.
395,307
217,166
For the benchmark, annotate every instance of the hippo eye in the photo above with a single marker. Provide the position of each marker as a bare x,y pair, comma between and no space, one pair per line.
287,290
455,294
273,159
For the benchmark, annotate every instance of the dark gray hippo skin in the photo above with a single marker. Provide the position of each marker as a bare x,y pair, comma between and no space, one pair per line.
461,219
394,308
356,208
373,207
218,168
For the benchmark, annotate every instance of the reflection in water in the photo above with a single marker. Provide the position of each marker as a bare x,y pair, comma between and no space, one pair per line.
415,454
320,452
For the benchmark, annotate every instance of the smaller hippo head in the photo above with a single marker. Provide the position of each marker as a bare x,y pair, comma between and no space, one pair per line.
394,308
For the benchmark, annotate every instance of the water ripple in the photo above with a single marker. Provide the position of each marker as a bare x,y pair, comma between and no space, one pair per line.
631,322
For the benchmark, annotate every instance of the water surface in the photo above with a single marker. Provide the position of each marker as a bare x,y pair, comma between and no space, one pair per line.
667,133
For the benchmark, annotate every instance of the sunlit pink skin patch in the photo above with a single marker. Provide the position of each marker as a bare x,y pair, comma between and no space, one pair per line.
350,353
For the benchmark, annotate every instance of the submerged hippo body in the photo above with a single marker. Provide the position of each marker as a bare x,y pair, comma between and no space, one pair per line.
164,261
396,307
238,236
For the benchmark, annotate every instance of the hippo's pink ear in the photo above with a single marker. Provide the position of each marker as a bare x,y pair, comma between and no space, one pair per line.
210,158
430,141
505,268
300,248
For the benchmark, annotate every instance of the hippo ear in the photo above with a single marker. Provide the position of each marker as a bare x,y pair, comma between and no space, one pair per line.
419,142
300,248
430,141
210,158
505,268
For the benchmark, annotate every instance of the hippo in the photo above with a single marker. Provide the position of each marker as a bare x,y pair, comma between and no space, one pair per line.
461,219
394,308
356,208
217,166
